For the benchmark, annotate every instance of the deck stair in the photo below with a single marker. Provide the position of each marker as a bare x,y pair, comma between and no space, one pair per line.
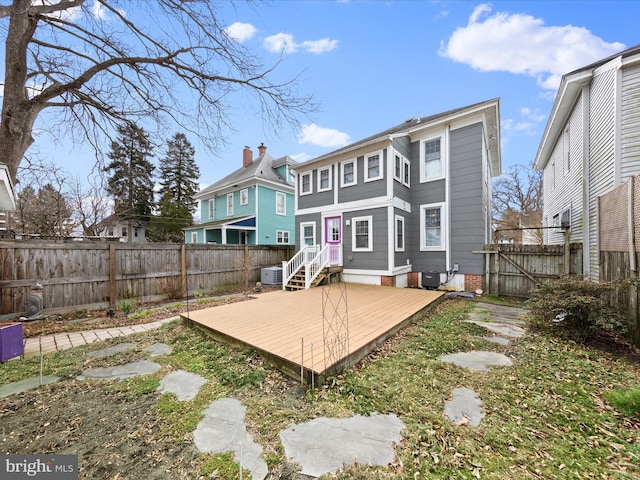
311,266
297,282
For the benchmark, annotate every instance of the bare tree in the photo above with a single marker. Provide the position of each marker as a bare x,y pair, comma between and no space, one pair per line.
90,205
517,202
99,65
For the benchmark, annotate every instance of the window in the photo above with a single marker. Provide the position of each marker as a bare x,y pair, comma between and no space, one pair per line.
397,168
348,174
566,144
324,179
553,175
432,227
401,170
229,204
110,232
373,167
244,196
281,203
361,234
212,209
432,160
282,237
406,173
308,233
135,232
124,232
305,184
194,237
399,233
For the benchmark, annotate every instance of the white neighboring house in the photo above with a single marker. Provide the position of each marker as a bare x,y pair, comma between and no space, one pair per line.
591,145
113,227
7,198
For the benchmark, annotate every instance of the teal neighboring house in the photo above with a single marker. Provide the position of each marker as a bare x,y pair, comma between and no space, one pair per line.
254,205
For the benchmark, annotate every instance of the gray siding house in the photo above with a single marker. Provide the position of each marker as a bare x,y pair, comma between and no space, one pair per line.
591,144
407,205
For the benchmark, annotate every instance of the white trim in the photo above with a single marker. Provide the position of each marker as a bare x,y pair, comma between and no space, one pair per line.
325,169
354,161
310,191
194,237
380,156
399,248
406,173
302,236
244,196
230,204
397,165
212,208
347,206
284,203
369,247
443,227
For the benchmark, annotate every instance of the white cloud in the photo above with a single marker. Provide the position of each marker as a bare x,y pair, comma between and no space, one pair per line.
301,157
323,137
240,32
99,12
527,124
285,42
521,44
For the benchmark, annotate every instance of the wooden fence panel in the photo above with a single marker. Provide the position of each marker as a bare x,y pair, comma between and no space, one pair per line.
79,275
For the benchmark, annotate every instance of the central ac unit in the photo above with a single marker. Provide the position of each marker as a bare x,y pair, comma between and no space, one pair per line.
271,276
431,280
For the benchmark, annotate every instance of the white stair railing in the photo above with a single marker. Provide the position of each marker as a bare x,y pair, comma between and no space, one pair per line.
316,265
299,260
314,259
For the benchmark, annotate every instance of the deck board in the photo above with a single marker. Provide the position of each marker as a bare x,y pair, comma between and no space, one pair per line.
276,323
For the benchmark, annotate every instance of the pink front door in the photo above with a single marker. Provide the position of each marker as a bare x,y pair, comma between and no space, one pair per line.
333,236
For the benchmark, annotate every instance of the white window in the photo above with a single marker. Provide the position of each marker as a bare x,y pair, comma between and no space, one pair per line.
397,167
399,233
373,167
281,203
305,184
362,234
432,227
124,232
348,173
194,237
229,204
432,160
308,231
324,179
406,173
282,237
212,209
553,175
244,196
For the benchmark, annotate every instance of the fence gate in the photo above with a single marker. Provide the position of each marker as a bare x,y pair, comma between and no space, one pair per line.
513,270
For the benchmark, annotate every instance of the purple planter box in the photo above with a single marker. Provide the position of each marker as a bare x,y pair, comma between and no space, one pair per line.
11,341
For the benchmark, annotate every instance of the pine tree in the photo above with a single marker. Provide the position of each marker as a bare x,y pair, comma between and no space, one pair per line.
131,180
179,175
42,212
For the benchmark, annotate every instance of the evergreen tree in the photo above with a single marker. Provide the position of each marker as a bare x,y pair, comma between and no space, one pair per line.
42,212
131,180
179,175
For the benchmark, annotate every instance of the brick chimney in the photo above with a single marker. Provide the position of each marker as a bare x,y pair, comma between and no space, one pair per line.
247,157
261,149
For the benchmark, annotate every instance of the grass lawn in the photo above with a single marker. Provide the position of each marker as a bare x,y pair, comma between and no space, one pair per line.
563,410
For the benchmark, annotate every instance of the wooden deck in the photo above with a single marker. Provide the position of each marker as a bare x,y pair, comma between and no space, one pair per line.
287,327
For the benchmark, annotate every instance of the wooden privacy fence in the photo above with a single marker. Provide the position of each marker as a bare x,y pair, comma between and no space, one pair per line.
513,270
84,275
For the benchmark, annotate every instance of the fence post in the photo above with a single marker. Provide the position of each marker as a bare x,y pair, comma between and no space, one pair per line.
112,275
246,265
183,268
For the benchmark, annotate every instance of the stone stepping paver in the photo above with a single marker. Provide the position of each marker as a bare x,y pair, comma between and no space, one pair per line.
120,372
464,408
499,340
26,384
107,352
324,445
184,385
512,331
476,360
158,349
223,430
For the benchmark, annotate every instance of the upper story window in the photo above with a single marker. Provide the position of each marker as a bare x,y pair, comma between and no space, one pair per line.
362,234
229,204
281,204
305,183
397,167
373,167
401,169
566,147
348,173
406,173
244,196
212,208
433,168
324,179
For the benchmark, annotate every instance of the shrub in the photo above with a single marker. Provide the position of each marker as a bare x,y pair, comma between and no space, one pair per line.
574,308
172,288
126,306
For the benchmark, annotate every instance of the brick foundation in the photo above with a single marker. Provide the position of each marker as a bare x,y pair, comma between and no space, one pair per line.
472,282
387,281
412,279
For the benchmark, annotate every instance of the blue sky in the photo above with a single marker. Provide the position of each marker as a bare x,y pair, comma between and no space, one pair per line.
373,64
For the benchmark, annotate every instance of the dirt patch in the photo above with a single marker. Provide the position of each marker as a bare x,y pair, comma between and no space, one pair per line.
113,435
